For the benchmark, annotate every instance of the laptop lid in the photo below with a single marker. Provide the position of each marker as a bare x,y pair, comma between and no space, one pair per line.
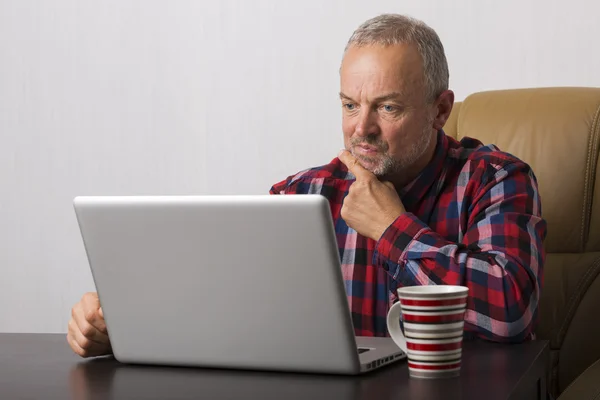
220,281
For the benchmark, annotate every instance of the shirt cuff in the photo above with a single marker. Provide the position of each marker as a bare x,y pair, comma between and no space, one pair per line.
396,238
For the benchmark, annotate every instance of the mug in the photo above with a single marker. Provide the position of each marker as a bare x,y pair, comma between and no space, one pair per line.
433,318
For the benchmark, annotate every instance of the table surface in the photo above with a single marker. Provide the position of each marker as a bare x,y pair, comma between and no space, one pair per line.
36,366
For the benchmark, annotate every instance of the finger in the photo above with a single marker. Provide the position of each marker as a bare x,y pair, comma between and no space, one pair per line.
80,351
83,342
80,345
93,312
354,166
75,346
86,347
87,330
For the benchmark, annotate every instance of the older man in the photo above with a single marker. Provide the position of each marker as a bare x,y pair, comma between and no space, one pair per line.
410,205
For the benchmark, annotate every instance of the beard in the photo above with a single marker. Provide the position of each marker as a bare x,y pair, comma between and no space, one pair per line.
384,164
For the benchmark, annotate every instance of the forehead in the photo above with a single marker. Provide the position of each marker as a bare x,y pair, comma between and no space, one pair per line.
373,70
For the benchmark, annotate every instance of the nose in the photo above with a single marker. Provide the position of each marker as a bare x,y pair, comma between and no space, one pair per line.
366,124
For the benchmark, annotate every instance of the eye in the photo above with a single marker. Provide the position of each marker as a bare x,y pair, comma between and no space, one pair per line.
389,108
349,106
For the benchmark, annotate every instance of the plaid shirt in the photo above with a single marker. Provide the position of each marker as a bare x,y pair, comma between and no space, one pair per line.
473,218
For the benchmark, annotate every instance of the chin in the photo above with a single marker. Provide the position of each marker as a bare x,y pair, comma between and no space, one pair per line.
368,164
383,170
376,170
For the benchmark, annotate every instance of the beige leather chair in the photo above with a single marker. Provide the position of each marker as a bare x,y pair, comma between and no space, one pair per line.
557,132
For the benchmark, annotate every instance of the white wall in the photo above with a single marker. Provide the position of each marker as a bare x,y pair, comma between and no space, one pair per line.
199,97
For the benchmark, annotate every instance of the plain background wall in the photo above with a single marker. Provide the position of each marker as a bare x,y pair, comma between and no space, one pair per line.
208,97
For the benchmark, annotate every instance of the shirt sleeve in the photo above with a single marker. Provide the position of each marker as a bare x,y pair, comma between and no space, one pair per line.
499,257
279,188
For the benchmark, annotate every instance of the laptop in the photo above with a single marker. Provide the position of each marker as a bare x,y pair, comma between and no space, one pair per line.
244,282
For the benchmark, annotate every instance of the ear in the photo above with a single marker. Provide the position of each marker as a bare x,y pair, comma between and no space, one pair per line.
443,105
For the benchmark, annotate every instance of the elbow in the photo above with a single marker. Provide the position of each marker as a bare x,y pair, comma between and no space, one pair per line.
514,316
520,336
511,337
515,322
516,327
522,313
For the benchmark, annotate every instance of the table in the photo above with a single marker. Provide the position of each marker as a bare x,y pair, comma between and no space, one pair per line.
41,366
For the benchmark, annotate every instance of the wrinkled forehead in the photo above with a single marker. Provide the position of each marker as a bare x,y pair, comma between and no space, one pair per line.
375,70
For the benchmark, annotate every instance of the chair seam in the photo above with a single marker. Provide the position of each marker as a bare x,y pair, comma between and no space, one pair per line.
589,175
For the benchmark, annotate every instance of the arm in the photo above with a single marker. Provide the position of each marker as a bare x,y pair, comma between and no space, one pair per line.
500,257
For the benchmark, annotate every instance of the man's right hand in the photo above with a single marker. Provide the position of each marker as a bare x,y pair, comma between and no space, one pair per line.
87,335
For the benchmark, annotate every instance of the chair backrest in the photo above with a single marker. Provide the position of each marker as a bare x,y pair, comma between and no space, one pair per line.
557,132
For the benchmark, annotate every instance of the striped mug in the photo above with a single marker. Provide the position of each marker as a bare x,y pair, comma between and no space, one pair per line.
433,318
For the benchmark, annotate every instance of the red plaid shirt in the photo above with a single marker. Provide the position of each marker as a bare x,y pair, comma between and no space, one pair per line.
473,218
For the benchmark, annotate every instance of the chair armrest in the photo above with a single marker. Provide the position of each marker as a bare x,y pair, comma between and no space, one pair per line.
586,386
569,304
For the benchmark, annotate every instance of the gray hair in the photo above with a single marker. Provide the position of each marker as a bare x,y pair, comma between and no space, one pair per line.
391,29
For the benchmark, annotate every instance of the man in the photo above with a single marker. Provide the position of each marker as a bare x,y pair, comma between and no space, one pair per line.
410,205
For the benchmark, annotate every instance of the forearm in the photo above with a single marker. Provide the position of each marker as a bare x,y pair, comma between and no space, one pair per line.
504,281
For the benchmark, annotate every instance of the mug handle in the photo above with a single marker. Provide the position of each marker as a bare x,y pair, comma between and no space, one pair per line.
393,323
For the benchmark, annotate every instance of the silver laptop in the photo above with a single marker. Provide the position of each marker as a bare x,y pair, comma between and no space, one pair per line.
247,282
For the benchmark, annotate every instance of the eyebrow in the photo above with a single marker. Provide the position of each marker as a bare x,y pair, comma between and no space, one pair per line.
386,97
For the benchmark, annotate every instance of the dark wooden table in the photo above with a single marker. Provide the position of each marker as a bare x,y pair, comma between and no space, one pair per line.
41,366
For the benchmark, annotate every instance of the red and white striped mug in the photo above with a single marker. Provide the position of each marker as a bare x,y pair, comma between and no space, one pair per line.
433,318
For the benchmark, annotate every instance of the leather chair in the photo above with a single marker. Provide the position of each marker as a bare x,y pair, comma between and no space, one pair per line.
557,132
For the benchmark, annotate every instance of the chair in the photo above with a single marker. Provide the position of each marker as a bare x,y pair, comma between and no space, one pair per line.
557,132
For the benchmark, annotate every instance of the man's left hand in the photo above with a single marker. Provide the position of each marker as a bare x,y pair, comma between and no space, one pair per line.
371,206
